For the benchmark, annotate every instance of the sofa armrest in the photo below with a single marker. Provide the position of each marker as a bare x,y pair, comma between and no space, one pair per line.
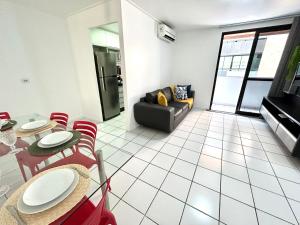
192,94
154,115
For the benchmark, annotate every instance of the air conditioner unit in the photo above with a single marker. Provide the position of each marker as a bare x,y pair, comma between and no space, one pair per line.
166,33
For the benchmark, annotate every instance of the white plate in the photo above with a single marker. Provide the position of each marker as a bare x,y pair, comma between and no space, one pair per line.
48,187
26,209
55,139
34,125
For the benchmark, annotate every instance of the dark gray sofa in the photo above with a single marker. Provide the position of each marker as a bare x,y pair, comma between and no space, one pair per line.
149,113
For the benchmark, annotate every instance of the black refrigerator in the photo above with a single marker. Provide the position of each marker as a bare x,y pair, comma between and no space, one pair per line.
106,71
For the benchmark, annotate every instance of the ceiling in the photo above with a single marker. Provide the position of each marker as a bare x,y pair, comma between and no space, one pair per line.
196,13
57,7
184,14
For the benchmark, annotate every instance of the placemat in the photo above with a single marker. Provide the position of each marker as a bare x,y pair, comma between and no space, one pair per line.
22,133
55,212
10,124
35,150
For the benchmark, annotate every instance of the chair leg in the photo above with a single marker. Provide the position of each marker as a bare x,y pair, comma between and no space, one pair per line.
23,172
108,218
112,220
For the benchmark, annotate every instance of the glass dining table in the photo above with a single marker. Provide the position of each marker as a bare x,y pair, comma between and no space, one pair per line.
19,166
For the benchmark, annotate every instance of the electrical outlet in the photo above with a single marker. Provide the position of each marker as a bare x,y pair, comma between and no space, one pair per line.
25,80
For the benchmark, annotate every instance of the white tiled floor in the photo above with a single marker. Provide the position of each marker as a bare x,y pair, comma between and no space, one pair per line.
213,169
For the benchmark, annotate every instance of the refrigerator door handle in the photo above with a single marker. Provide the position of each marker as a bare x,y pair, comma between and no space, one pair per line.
102,78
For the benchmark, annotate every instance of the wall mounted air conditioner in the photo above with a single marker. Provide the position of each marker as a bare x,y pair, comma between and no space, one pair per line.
166,33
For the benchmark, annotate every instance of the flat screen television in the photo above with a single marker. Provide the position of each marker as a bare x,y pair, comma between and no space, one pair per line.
295,86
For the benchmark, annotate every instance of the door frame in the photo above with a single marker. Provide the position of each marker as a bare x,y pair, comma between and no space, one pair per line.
247,71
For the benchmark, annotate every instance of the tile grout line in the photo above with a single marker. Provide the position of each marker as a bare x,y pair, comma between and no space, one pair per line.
254,202
214,146
282,189
190,132
137,178
158,189
245,156
168,193
188,193
169,171
221,175
252,195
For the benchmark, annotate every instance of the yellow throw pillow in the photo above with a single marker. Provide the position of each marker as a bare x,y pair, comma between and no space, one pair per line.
173,88
162,100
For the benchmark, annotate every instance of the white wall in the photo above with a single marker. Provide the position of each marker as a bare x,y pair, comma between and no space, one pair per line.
147,58
35,46
195,58
79,27
194,62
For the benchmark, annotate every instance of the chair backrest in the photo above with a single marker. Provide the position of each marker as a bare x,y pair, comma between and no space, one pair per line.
61,118
86,127
100,211
4,116
89,131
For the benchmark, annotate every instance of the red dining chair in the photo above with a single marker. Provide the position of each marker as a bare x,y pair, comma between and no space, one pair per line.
32,162
87,140
86,127
88,214
61,118
26,160
4,116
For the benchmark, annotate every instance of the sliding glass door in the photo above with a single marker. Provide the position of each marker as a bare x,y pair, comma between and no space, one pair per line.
232,66
268,50
247,64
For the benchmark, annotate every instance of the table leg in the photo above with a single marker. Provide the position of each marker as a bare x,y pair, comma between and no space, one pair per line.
102,174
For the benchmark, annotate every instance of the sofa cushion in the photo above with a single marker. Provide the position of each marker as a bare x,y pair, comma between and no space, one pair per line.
180,105
181,92
179,117
177,112
161,99
168,93
188,89
189,101
151,97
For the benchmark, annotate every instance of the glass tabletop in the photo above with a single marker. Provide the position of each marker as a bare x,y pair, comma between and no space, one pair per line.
17,167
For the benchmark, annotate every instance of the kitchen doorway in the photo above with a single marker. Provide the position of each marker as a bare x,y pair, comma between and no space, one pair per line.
106,49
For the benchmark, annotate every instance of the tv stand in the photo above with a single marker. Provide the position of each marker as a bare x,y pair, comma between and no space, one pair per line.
283,116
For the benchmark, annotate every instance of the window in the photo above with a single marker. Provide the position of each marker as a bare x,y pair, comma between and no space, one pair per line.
221,63
227,62
244,62
236,62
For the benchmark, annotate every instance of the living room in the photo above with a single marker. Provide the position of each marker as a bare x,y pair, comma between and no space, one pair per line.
176,139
